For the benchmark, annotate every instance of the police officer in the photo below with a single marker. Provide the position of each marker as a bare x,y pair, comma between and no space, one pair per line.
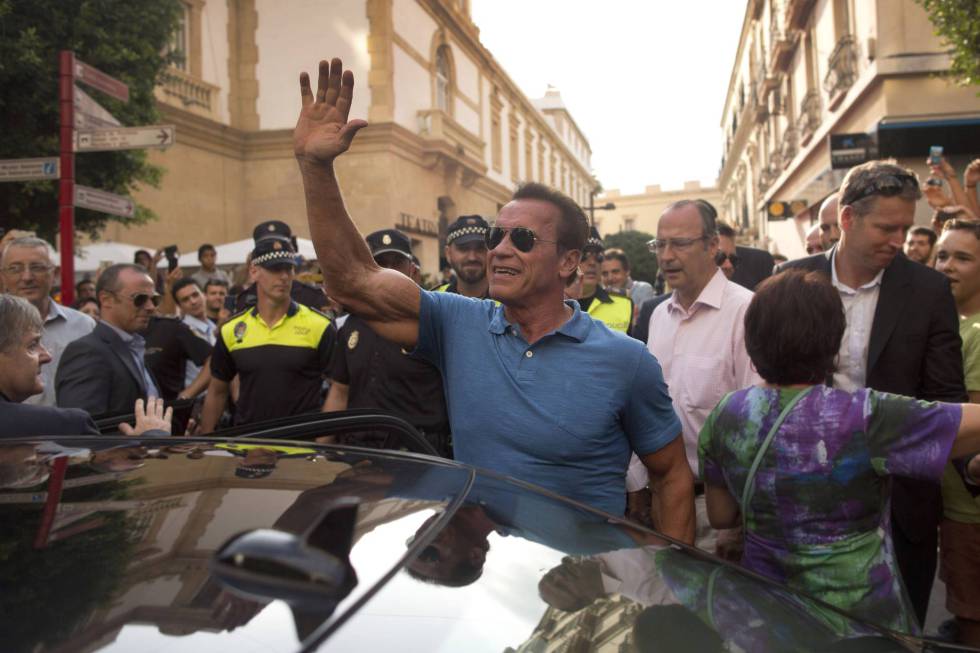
302,293
611,308
368,371
466,252
280,349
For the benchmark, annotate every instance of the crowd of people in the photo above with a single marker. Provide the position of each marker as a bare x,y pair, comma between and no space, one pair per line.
812,419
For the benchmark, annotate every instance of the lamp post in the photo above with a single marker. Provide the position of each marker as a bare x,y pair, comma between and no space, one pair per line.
608,206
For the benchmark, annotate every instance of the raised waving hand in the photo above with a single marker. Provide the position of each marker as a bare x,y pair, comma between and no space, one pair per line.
323,131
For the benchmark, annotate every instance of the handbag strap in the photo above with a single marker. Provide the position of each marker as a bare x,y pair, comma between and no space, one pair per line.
749,487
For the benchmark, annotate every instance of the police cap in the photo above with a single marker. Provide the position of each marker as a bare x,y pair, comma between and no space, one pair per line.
271,228
467,229
594,243
274,252
389,240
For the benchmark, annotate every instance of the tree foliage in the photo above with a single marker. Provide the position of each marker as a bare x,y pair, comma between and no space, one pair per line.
123,38
643,264
957,23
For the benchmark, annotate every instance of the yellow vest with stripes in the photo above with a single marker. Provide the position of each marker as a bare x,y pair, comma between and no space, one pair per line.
617,314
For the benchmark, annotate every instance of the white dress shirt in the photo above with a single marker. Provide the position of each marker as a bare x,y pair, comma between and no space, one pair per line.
859,312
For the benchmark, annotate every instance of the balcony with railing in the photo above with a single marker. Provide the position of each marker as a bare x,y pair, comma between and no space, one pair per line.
809,119
782,40
789,146
185,91
841,70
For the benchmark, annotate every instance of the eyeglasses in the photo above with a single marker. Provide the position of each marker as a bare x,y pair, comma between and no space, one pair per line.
660,244
721,257
140,299
888,185
36,269
520,237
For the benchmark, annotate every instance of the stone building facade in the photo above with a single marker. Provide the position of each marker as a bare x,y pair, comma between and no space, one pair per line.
808,69
641,211
450,132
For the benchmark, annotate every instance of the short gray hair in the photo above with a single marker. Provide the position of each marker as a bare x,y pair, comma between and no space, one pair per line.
709,224
30,242
109,279
17,317
859,190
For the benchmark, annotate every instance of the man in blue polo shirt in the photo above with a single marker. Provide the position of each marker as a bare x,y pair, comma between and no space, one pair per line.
535,388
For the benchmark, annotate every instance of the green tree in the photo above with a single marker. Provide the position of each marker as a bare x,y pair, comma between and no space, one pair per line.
123,38
643,264
957,23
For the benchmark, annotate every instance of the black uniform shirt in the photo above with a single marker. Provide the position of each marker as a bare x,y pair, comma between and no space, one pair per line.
281,368
169,345
382,375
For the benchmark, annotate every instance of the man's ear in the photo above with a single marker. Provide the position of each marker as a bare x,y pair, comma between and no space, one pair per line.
846,217
252,272
568,265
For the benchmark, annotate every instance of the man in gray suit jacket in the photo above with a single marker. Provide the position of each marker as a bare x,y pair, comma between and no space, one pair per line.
104,373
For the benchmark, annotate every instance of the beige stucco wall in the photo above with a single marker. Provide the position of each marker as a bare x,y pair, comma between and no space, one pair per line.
646,208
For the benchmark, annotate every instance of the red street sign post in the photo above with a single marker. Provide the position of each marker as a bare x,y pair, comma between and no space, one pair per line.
66,185
69,70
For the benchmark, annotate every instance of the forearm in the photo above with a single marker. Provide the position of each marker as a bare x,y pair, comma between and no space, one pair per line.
199,384
972,202
336,397
673,501
214,405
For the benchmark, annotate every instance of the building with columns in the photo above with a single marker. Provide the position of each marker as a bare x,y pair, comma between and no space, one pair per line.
808,69
450,132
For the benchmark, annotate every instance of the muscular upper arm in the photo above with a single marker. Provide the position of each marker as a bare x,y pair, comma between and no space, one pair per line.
388,301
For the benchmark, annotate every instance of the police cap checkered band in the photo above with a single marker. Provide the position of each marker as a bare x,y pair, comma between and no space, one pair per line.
280,256
465,231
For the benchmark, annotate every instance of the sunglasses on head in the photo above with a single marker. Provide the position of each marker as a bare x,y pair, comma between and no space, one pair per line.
887,185
521,238
721,257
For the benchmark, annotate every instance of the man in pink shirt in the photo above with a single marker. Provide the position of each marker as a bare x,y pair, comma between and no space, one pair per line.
698,334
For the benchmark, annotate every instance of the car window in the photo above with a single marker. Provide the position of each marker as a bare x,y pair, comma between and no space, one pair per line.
110,544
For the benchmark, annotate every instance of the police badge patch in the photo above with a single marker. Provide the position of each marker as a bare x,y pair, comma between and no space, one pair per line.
240,330
352,341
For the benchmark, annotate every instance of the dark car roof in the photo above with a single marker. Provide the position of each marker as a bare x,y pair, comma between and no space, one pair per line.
141,548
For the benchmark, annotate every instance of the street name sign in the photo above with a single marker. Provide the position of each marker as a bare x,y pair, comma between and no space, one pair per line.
125,138
97,79
89,114
29,169
100,200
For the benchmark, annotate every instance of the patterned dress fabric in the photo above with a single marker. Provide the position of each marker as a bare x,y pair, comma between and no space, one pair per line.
818,519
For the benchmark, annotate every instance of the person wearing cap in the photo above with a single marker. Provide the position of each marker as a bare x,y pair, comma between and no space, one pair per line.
368,371
279,348
301,293
514,374
612,309
466,252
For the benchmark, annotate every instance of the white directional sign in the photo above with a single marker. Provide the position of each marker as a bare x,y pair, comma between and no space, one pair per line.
29,169
100,200
125,138
89,114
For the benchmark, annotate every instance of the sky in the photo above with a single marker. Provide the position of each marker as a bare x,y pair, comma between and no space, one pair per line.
645,80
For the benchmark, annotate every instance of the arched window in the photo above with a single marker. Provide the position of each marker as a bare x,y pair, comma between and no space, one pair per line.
443,79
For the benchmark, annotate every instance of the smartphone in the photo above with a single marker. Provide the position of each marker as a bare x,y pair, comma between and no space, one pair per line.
934,181
172,255
935,155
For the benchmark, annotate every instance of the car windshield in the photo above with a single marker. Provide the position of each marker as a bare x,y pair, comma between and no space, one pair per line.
117,544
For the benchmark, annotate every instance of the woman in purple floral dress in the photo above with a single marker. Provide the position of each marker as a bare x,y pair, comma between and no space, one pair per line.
804,467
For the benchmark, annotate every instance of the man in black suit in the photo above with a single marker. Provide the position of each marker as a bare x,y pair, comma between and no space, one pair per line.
902,336
104,372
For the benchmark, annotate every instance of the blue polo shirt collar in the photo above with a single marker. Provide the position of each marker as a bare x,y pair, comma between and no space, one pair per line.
576,327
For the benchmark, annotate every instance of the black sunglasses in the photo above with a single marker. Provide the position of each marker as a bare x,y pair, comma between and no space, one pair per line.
888,185
140,299
521,237
721,257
